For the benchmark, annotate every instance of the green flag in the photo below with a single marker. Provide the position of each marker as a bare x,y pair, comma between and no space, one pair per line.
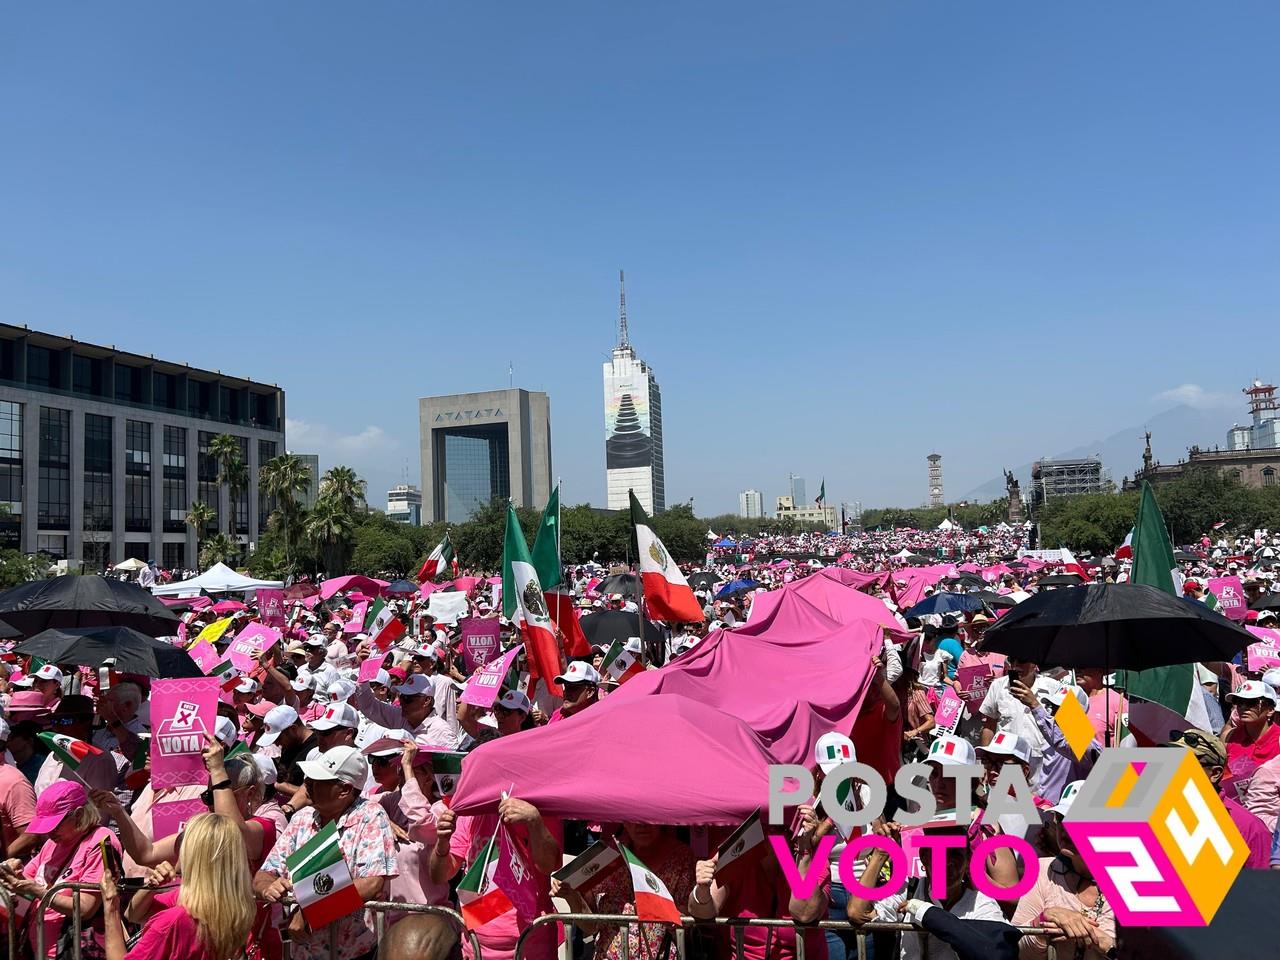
546,545
1162,699
821,498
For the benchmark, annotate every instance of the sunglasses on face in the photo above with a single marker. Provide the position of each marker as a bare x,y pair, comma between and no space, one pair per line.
383,761
411,697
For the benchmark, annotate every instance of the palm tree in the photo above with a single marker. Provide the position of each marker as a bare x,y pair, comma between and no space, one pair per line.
198,518
218,549
285,478
342,485
226,450
330,526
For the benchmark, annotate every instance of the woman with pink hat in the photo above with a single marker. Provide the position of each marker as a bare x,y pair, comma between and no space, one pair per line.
72,851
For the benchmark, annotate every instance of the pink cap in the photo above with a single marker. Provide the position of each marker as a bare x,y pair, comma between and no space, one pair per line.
55,803
260,708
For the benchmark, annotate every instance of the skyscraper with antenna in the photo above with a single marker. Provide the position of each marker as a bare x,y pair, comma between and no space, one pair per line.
632,423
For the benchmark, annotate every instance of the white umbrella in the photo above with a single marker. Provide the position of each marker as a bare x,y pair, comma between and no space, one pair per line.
132,565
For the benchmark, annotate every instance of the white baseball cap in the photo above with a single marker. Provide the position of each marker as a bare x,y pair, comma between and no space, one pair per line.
345,764
1008,745
316,640
834,749
336,715
633,645
1271,678
276,722
415,684
579,672
341,690
383,678
1252,690
1068,797
303,681
226,731
48,672
1058,694
247,685
515,700
949,750
266,767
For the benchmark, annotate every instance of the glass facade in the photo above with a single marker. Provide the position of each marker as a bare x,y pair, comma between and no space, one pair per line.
175,480
137,477
54,544
476,469
266,452
240,498
97,474
174,556
53,506
207,480
10,474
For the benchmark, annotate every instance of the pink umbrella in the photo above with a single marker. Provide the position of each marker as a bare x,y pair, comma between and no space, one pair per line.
428,588
229,606
353,581
466,584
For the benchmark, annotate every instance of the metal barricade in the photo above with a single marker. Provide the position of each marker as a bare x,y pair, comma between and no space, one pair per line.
737,926
381,908
6,902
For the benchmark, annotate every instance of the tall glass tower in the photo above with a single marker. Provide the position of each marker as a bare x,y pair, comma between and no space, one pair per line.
632,424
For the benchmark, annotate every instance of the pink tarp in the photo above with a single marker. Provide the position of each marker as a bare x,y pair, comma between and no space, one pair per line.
425,590
855,578
654,759
917,580
355,581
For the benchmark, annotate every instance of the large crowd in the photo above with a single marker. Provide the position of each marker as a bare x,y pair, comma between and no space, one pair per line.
302,743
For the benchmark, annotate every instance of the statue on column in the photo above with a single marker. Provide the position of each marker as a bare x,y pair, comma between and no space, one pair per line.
1015,497
1146,454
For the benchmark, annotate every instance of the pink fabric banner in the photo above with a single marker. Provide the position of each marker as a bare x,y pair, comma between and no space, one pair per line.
356,623
369,668
182,712
170,816
252,639
271,607
483,686
1231,600
480,641
1265,654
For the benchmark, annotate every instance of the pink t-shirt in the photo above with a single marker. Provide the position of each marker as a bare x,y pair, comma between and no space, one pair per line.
56,863
17,803
498,937
170,933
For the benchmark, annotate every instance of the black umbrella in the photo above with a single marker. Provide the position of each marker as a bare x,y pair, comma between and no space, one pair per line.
7,632
128,650
623,583
609,625
1062,580
1182,556
993,599
967,580
1114,625
1268,601
70,601
704,579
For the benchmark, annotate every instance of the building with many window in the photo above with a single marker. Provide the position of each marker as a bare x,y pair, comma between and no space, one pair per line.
633,457
404,504
751,504
807,513
478,447
311,462
102,452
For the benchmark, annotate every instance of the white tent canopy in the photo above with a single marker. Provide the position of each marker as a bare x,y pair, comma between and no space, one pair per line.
217,579
946,525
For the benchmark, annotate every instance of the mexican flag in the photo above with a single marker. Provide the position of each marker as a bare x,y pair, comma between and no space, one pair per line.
1071,565
546,561
139,773
227,674
744,847
590,867
322,882
481,899
440,559
446,768
1125,550
822,493
653,899
621,664
1162,699
666,592
69,750
524,603
382,625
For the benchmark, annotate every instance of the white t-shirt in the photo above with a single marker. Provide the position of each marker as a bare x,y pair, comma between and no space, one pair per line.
1013,716
972,905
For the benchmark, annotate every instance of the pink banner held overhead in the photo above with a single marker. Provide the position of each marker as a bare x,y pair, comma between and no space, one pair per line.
271,607
480,641
182,712
1231,599
255,638
483,686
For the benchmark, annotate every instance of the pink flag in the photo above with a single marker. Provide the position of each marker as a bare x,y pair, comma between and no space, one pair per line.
182,712
974,678
356,623
483,685
1230,593
369,668
947,716
514,876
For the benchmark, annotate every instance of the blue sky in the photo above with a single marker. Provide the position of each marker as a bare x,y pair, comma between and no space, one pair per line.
853,232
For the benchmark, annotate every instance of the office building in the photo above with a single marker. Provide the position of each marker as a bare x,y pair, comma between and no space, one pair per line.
311,462
751,504
823,515
404,504
478,447
632,425
102,452
798,490
1067,478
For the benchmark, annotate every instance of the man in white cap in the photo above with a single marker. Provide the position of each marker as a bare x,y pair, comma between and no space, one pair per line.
284,728
1004,709
333,782
413,713
581,682
428,661
336,726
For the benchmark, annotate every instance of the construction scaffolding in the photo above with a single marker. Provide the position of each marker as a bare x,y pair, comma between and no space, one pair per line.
1067,478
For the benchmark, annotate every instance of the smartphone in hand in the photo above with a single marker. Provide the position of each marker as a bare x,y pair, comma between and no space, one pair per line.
111,859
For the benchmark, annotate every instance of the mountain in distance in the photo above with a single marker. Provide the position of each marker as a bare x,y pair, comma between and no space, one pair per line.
1172,432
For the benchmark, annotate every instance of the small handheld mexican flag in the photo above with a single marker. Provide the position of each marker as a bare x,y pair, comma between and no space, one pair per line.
481,899
139,773
382,625
69,750
590,867
321,879
227,674
446,768
653,899
440,559
620,663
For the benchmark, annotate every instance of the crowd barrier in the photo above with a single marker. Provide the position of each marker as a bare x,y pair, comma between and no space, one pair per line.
380,908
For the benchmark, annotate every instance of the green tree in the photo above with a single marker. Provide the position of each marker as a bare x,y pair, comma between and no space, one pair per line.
231,469
16,568
218,548
340,484
379,552
683,534
199,516
285,478
329,528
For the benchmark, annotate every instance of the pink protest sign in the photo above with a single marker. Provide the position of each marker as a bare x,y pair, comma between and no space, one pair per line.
205,656
369,668
1262,656
252,639
170,816
182,712
1231,600
974,679
479,641
482,689
271,607
356,623
947,715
